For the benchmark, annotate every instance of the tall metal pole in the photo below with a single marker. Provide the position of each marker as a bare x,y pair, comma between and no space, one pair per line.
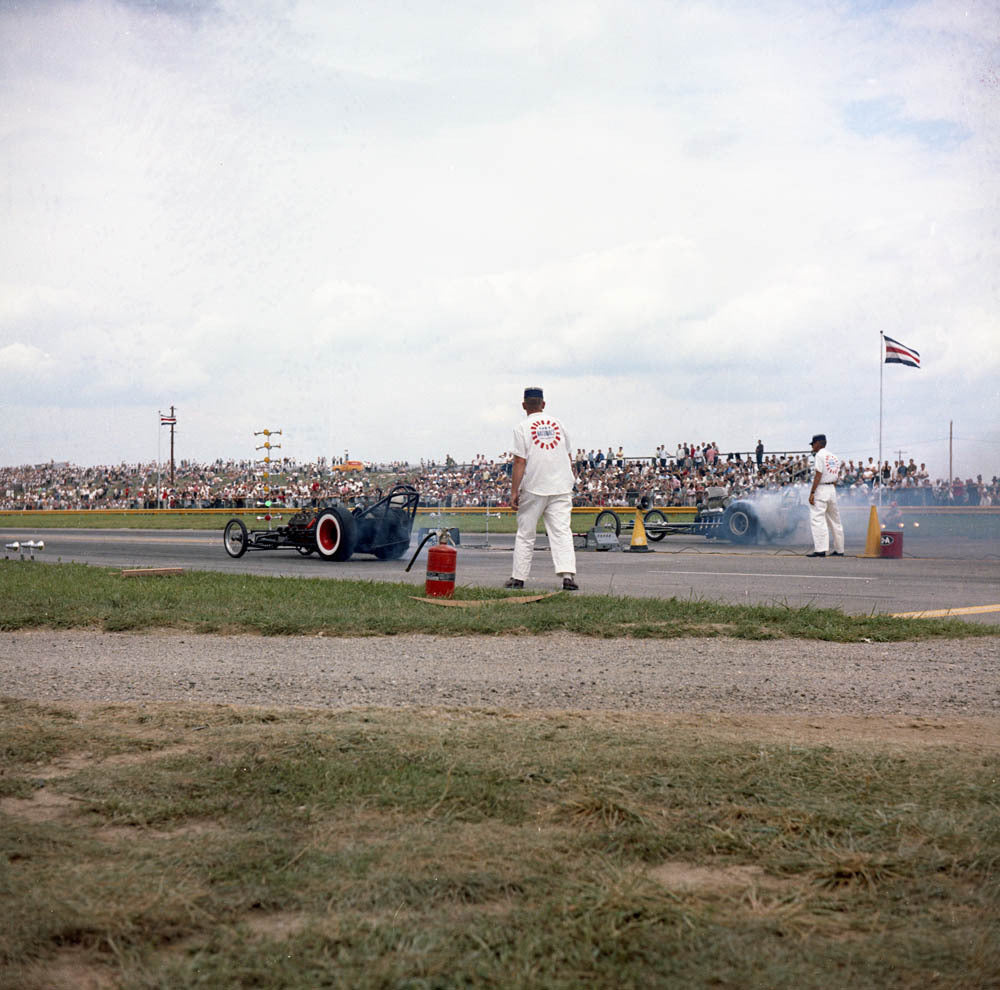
172,425
881,375
951,428
159,438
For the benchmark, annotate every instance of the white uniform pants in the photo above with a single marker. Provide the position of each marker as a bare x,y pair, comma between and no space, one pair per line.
824,510
557,511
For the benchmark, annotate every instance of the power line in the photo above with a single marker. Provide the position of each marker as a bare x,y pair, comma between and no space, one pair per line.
995,443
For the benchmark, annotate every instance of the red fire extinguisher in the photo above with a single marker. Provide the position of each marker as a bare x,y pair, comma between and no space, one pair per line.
441,559
441,562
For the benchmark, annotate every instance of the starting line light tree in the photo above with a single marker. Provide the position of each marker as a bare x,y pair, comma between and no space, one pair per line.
267,446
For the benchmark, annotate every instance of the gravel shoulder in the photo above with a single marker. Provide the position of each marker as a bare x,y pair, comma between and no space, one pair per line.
957,678
906,695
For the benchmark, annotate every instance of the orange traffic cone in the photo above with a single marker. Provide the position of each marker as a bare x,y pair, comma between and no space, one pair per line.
873,543
639,544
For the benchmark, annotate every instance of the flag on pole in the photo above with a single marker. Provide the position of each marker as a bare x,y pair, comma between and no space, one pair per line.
167,420
897,353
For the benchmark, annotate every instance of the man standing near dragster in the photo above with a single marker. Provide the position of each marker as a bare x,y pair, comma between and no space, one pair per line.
823,507
541,487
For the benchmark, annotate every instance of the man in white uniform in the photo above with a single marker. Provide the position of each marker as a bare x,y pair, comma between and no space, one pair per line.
541,487
824,514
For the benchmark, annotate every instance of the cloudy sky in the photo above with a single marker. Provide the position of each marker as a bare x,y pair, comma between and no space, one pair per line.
370,225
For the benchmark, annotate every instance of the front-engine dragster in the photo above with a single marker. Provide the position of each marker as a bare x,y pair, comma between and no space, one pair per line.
334,532
768,516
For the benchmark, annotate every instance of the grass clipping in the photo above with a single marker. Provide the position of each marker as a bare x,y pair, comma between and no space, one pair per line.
157,845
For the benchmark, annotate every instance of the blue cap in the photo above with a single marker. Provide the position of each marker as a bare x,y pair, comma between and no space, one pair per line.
533,393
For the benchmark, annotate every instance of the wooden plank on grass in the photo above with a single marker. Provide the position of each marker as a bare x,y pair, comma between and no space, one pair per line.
151,571
475,603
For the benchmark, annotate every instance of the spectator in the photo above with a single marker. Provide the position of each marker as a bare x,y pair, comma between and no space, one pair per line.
238,483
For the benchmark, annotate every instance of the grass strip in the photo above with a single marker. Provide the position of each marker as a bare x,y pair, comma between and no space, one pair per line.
66,596
172,846
468,522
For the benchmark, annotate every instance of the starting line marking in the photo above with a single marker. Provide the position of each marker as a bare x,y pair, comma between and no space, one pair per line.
943,613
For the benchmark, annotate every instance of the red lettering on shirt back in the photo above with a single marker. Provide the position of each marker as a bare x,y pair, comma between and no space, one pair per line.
545,433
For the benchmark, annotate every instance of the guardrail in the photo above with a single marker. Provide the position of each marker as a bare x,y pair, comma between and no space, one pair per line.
469,510
463,510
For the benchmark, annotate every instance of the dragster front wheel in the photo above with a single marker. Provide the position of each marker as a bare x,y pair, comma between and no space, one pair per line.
608,520
235,538
657,518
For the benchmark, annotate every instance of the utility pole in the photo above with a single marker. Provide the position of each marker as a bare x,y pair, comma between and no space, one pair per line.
170,421
173,425
951,436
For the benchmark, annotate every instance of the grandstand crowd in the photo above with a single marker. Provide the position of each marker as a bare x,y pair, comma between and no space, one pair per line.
680,477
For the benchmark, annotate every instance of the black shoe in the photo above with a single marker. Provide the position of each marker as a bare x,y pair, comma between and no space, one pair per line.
514,583
817,553
570,585
836,553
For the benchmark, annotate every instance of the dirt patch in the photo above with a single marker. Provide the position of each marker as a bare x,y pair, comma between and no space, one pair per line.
70,969
854,730
118,833
44,806
276,925
980,734
66,766
688,876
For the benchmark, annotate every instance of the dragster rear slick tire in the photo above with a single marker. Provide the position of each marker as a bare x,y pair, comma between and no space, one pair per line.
739,525
336,534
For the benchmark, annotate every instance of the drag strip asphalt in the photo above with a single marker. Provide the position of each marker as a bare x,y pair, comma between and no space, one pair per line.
765,575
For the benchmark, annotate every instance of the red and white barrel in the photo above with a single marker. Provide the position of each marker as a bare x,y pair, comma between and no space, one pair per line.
440,581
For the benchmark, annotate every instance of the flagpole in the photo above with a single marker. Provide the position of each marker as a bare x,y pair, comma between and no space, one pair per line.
901,354
881,376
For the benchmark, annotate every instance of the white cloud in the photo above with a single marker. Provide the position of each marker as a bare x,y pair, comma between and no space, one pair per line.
22,359
345,221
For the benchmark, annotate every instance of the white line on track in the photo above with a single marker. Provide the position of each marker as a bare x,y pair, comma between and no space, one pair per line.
781,577
138,538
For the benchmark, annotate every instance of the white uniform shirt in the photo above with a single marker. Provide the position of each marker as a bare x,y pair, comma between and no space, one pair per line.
828,464
542,442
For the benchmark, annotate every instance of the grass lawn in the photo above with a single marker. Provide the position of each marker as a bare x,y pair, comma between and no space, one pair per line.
63,596
170,846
